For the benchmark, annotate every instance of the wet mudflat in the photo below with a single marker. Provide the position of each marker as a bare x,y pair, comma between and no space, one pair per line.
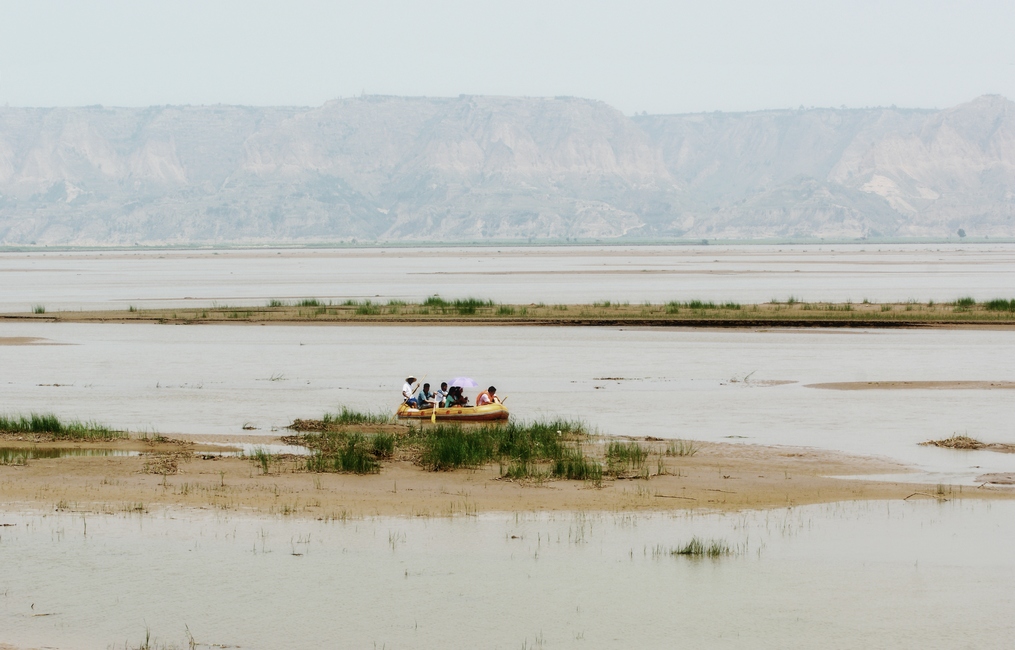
864,574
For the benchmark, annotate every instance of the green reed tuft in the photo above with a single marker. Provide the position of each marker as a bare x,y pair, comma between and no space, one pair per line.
697,547
575,466
350,416
523,446
355,456
49,425
1000,305
681,448
625,454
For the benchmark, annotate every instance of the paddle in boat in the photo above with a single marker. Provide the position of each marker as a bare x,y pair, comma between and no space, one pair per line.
484,413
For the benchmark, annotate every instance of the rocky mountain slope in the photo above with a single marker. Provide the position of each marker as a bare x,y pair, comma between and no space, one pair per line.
467,168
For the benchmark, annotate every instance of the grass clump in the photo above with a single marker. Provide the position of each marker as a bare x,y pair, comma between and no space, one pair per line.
310,302
349,416
674,306
337,451
38,309
623,455
965,303
526,450
681,448
264,459
573,465
50,426
464,307
383,445
450,446
353,454
367,308
698,547
1000,305
469,306
277,303
956,442
540,440
505,310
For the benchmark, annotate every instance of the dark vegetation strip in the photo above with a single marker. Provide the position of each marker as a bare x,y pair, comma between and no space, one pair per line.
46,426
693,313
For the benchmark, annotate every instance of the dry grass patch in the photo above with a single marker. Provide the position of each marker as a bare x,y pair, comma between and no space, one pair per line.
970,444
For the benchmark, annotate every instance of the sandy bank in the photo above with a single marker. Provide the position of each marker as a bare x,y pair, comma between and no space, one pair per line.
718,477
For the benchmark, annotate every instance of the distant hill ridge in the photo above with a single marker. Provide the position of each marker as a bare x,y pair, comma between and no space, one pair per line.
468,168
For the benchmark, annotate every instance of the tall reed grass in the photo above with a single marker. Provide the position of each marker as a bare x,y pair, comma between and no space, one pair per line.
49,425
464,307
523,446
349,416
1000,305
356,454
681,448
339,451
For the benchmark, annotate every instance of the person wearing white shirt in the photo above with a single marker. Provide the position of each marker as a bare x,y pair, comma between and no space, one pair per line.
441,395
409,392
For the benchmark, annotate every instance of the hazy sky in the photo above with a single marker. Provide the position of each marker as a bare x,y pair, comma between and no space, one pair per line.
637,55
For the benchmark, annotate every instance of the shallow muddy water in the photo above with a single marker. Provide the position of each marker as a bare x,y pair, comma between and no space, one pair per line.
871,575
16,455
747,274
668,383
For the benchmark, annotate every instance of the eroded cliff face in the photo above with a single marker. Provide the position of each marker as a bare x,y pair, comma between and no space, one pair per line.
466,168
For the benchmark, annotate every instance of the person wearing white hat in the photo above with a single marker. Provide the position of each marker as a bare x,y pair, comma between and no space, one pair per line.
409,392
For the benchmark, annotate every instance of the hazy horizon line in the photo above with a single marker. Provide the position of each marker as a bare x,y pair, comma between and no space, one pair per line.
799,108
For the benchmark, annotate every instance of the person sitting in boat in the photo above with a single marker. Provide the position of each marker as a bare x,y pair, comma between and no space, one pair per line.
456,397
425,399
488,396
440,397
409,392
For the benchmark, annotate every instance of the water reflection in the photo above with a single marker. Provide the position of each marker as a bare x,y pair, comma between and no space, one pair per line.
18,455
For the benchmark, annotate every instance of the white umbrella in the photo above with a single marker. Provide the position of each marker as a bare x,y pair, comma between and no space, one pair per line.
463,382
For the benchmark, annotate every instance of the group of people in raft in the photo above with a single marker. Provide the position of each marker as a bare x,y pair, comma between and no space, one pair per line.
443,397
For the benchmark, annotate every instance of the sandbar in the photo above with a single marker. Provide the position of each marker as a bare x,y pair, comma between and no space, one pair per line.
720,477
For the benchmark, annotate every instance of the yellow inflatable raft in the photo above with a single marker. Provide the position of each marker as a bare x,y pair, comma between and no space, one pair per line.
484,413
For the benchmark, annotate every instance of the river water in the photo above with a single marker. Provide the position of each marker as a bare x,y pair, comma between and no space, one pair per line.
858,575
746,274
899,574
